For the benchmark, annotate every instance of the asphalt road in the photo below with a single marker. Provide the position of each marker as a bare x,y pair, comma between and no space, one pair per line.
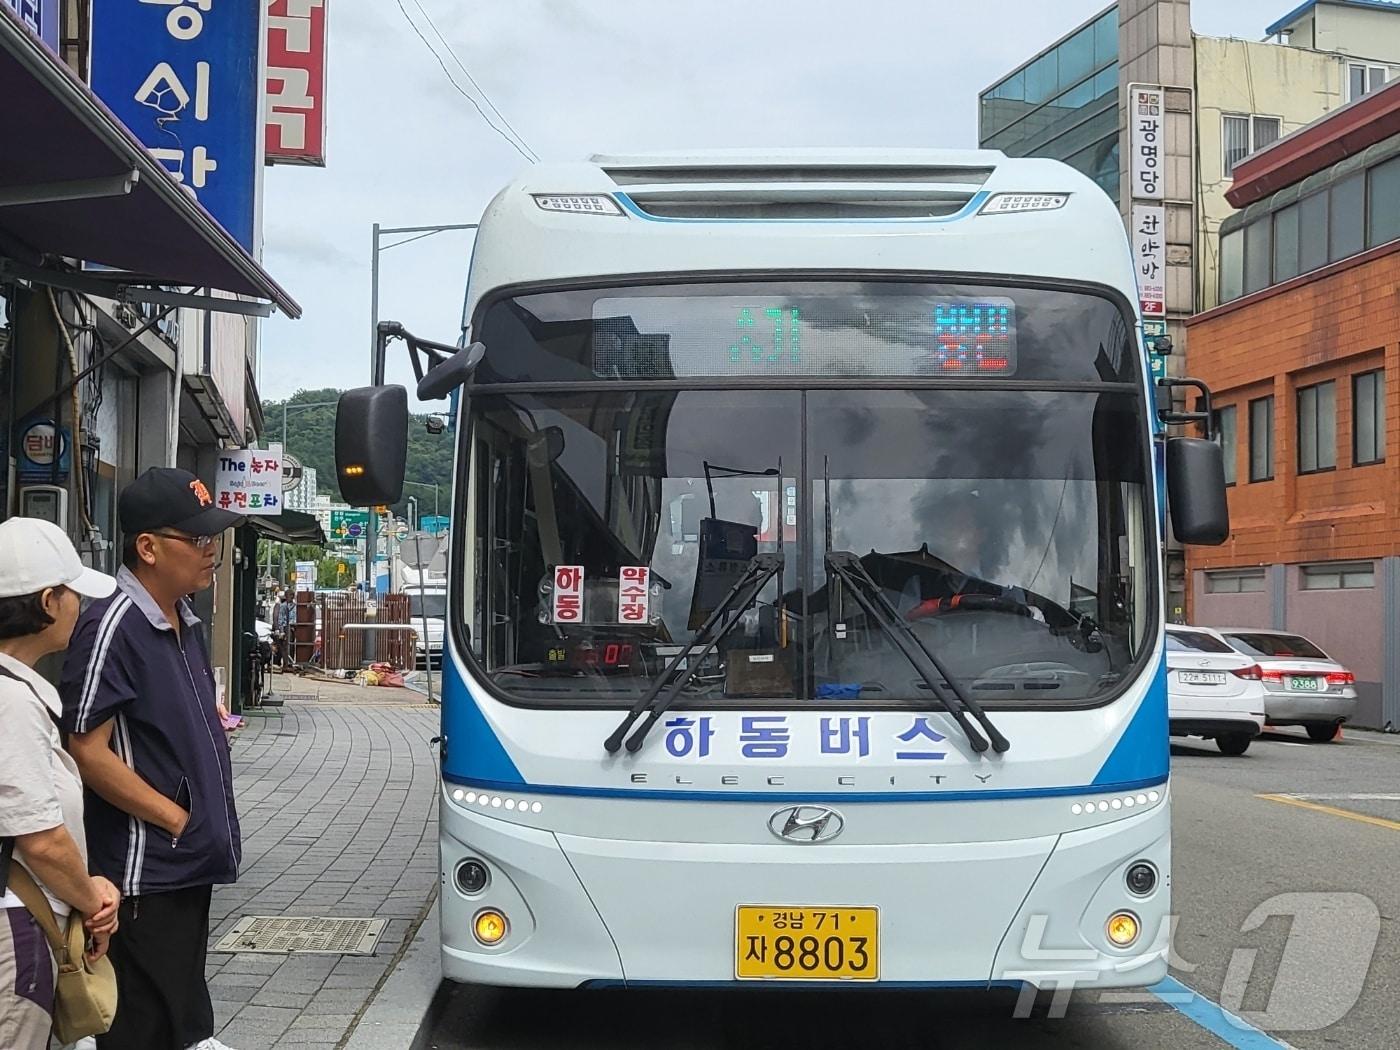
1287,905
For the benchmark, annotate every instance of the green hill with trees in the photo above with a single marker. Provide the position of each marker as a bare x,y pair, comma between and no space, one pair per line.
311,438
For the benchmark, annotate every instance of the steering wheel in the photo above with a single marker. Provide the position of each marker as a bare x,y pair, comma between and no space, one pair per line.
1082,632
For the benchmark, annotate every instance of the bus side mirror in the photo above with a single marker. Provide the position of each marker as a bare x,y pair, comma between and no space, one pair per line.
371,444
1196,491
448,375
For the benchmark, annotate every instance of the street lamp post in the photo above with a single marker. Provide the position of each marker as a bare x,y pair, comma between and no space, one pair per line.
376,366
437,512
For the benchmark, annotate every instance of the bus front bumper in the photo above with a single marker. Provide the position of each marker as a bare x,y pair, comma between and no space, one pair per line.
583,910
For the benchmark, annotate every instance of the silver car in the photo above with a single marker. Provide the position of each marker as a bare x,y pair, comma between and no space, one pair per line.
1303,685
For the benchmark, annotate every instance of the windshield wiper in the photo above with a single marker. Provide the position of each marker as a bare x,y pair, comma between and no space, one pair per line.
867,593
761,569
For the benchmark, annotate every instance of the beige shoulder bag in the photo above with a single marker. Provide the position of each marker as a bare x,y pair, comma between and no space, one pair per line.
85,995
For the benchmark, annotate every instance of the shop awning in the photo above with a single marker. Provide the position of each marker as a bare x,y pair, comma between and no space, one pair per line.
291,526
75,182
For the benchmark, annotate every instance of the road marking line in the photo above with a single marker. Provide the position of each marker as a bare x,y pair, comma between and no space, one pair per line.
1233,1030
1353,797
1364,818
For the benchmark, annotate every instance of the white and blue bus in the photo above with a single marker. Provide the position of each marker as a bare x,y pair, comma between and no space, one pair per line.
805,614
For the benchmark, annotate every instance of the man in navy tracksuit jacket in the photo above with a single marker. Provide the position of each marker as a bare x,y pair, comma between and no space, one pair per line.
139,703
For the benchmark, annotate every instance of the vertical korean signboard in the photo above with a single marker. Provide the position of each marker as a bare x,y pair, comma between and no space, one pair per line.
39,15
1150,258
296,82
1147,185
183,75
1147,141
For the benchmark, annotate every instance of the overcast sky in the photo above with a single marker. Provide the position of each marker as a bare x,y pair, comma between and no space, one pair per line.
576,78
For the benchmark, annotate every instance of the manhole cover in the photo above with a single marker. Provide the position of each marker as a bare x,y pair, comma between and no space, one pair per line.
281,936
301,698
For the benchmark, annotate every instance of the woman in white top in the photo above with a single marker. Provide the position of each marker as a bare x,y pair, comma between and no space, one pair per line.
41,794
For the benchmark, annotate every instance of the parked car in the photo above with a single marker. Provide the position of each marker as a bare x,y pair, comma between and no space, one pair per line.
1303,686
1212,690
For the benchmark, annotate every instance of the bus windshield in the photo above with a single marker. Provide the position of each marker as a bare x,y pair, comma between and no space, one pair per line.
1007,524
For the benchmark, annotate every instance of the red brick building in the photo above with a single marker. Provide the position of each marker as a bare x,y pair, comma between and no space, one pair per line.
1304,360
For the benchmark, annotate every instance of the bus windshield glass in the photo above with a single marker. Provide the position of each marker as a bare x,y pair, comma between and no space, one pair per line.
1008,525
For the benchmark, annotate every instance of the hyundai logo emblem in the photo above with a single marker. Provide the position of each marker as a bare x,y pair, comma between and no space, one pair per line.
806,824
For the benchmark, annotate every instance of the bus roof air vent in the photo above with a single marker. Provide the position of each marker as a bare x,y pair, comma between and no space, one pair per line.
796,174
774,203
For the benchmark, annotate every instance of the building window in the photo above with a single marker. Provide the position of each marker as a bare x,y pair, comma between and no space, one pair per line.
1312,232
1317,427
1243,135
1347,217
1258,254
1235,581
1261,439
1363,79
1231,265
1383,191
1234,141
1286,243
1226,437
1266,132
1368,418
1339,576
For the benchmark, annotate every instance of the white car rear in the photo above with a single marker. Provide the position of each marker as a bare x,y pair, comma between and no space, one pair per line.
1212,690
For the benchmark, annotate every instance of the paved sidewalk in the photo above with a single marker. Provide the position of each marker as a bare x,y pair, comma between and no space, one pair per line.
337,795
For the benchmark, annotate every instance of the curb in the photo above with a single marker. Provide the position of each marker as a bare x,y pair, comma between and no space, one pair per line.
393,1016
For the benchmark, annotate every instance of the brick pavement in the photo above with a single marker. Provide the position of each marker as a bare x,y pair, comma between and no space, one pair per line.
337,797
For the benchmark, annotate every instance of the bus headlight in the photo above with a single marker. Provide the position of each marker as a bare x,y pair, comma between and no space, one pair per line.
1122,929
472,877
1141,879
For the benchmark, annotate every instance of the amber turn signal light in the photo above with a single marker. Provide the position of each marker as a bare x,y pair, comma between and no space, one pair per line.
489,926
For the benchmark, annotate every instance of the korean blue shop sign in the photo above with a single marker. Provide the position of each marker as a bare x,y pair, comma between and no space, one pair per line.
183,76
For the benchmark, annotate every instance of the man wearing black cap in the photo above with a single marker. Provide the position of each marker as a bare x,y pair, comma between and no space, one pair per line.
139,701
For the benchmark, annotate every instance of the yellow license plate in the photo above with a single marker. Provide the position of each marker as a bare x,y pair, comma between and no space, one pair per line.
779,943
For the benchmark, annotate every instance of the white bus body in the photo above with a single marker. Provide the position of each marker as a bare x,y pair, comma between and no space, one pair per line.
805,773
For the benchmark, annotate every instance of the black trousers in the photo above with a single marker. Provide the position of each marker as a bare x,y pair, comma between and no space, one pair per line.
158,953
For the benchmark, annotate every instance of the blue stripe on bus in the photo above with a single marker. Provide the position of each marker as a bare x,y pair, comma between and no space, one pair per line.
471,742
1143,752
826,797
967,209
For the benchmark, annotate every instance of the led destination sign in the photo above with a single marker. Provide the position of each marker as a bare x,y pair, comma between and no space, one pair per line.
836,335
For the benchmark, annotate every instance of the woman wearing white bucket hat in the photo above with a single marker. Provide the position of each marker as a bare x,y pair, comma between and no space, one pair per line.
42,582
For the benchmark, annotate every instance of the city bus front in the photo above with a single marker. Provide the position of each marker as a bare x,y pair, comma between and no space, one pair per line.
805,629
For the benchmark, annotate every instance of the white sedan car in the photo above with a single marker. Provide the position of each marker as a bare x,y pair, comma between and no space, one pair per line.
1303,686
1212,690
